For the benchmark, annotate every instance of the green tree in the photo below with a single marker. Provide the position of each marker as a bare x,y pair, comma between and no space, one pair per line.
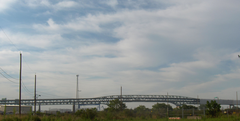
160,106
202,107
141,108
142,111
116,105
213,108
87,113
184,106
161,109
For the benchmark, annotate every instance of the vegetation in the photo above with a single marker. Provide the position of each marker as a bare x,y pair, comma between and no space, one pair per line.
87,113
117,111
159,106
184,106
68,117
213,108
116,105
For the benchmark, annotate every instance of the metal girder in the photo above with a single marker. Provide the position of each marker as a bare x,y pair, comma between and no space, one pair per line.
174,99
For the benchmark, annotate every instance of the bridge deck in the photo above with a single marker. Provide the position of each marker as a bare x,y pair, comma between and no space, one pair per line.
174,99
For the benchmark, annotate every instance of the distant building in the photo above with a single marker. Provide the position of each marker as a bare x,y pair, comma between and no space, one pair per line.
15,108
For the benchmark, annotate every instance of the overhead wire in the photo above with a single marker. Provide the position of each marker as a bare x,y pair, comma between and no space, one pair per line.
8,38
14,46
24,86
5,74
8,78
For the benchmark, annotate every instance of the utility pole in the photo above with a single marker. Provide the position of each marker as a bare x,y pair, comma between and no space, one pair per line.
77,87
167,104
77,95
20,83
237,99
121,98
35,88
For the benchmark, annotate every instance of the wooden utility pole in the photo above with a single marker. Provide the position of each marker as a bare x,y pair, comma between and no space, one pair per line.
121,99
237,99
35,88
20,83
77,88
167,104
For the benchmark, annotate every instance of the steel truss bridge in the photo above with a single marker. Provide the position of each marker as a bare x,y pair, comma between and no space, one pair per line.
174,99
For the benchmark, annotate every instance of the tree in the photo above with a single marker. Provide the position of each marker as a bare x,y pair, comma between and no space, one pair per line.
161,109
202,107
87,113
213,108
184,106
160,106
142,111
140,108
116,105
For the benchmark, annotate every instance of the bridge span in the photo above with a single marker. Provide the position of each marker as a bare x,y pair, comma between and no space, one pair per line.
174,99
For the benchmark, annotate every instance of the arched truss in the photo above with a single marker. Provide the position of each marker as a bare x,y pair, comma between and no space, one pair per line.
174,99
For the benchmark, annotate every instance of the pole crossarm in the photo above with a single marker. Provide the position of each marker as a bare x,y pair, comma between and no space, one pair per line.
174,99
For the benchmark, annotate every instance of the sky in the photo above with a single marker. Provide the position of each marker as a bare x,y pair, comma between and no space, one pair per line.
154,47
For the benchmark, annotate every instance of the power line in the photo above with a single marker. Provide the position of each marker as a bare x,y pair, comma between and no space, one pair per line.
8,78
24,86
27,92
8,74
9,38
14,45
27,65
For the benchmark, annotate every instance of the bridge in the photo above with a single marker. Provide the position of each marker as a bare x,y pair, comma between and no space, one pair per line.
174,99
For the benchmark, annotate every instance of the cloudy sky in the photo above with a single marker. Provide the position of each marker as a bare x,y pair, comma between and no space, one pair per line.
182,47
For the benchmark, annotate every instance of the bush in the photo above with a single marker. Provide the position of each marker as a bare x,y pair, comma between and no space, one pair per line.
87,113
36,118
128,113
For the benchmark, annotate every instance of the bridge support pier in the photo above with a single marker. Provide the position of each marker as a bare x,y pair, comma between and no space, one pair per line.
73,107
39,107
182,113
193,112
204,111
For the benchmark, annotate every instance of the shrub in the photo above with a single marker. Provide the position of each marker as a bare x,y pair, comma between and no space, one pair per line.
36,118
87,113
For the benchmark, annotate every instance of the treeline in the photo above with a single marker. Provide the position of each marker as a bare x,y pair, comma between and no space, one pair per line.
118,111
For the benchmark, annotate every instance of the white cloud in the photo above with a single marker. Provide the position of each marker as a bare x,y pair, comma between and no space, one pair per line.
22,40
36,3
111,3
5,4
65,4
177,50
